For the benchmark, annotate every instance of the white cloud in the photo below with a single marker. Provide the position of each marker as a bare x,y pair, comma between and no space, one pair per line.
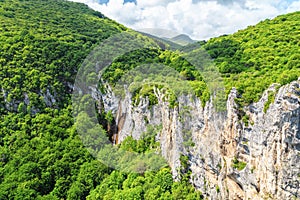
201,19
295,6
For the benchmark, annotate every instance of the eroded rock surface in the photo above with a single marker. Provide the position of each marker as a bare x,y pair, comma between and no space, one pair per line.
265,145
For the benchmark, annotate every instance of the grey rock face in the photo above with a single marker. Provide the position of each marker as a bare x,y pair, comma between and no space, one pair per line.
265,147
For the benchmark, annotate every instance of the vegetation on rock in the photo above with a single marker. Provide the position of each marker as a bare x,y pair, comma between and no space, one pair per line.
43,44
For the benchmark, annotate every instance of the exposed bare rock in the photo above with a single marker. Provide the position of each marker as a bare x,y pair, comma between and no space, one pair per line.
265,147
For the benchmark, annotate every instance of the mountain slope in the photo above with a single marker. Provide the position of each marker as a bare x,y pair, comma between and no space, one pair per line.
42,45
250,152
169,44
42,155
254,58
182,39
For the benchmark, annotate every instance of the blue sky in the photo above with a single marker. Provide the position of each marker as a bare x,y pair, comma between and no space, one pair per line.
200,19
125,1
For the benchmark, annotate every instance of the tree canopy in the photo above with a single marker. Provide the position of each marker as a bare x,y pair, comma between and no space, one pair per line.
42,46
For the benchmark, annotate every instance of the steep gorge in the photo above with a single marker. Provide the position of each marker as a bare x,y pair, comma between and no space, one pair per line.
267,143
250,152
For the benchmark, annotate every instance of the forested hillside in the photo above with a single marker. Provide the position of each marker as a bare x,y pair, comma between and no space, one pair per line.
42,45
254,58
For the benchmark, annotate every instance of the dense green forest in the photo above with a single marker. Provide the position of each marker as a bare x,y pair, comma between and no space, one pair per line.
42,46
250,60
254,58
167,61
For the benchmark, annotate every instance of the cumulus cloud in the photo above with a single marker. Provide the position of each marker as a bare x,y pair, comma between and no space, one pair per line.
201,19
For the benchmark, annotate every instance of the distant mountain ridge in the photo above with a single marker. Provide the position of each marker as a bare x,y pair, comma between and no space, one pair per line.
173,43
251,153
164,43
181,39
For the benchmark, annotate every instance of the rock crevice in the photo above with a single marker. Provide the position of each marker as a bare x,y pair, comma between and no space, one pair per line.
229,158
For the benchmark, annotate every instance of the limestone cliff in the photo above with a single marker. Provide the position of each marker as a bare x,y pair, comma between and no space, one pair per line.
256,157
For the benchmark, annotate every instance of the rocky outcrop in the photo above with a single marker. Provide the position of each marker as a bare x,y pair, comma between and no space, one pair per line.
268,144
12,104
256,157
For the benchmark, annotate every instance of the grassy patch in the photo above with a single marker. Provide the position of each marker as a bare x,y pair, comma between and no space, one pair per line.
239,165
271,99
245,119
